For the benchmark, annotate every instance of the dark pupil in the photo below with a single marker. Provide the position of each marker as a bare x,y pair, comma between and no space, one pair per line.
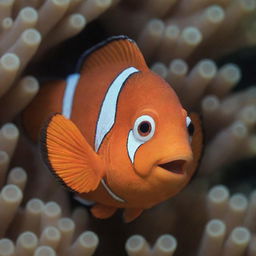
191,129
144,127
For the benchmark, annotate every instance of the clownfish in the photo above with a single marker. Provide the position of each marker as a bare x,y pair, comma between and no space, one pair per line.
116,133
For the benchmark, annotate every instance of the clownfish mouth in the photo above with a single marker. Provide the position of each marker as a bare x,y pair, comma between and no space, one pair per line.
174,166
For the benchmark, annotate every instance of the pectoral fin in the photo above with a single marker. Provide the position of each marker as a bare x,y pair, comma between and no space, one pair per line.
69,156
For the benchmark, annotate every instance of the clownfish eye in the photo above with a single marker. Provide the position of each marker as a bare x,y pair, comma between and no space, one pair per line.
144,128
190,126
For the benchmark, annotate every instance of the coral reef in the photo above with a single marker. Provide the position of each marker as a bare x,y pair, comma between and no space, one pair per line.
183,41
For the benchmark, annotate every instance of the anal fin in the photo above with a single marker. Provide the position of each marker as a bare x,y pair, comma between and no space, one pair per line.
131,214
102,211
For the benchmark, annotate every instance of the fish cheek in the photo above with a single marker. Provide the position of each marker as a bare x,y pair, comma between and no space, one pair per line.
133,146
120,166
144,161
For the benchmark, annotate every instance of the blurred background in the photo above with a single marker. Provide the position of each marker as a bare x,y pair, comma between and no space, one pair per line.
206,50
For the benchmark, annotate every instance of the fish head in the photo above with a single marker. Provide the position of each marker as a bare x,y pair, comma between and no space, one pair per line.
151,147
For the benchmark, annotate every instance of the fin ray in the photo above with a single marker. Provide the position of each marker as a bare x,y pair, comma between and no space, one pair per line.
69,156
114,50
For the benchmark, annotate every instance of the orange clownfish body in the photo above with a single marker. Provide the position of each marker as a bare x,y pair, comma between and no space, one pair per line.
122,138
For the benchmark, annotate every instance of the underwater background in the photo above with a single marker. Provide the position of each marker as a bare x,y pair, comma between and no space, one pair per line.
206,50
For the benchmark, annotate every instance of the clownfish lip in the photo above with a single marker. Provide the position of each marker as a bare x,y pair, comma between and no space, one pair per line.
175,166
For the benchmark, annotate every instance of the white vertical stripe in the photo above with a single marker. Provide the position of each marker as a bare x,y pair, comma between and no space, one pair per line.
111,193
108,109
67,104
132,145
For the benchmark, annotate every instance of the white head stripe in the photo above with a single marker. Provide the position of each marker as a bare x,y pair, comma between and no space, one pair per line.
132,145
188,121
108,109
69,93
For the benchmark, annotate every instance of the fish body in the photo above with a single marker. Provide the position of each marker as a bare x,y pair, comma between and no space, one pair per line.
117,133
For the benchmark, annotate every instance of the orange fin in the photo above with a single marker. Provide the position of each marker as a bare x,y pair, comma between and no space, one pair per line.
102,211
114,50
69,156
48,100
131,214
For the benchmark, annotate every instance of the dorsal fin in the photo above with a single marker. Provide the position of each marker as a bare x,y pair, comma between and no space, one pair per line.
114,50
